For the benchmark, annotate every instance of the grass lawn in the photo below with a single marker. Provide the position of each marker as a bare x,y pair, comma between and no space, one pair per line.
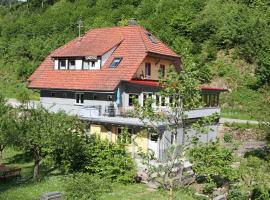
235,114
24,189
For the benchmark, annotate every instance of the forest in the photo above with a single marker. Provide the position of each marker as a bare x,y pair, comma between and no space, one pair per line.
225,41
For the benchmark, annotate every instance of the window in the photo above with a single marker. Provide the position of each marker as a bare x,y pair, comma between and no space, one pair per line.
71,64
157,100
146,96
147,70
124,135
79,98
93,63
109,98
86,64
163,101
94,97
132,98
115,62
62,64
211,100
53,94
153,137
162,71
151,38
65,95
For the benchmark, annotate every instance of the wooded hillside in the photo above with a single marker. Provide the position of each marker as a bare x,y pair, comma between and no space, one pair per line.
226,41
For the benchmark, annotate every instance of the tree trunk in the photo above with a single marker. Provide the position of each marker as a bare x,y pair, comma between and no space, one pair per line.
1,156
171,190
37,159
36,169
2,147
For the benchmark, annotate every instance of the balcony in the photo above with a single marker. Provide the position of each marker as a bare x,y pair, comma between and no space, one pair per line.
122,115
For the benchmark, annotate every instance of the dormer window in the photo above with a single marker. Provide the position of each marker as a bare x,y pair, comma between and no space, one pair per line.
62,64
147,70
71,64
162,71
115,62
151,38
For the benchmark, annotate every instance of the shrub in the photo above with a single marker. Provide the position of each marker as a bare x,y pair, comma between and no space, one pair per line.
237,195
212,161
208,187
228,138
85,187
109,160
260,193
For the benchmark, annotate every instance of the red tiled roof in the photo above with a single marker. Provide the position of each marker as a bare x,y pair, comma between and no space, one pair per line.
132,44
145,82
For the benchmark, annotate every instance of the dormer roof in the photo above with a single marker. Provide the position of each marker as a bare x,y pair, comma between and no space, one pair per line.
132,44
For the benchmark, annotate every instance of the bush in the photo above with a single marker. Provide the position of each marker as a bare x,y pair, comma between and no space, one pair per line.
109,160
86,187
208,187
260,193
212,161
237,195
228,138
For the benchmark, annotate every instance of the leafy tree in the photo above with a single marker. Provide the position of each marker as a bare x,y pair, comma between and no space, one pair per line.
40,132
109,160
7,127
183,91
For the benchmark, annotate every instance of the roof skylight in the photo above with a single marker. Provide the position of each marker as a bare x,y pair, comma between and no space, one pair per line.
115,62
151,38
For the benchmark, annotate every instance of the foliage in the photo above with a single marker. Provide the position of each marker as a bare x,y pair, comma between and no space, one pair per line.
254,176
236,194
84,186
182,90
228,138
212,161
109,160
7,126
42,133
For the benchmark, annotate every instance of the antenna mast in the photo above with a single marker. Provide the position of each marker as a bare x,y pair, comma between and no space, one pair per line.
80,26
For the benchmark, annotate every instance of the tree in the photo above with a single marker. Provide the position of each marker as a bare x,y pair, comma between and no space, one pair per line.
6,125
183,91
40,132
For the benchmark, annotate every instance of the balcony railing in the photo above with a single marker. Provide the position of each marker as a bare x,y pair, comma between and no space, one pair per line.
126,112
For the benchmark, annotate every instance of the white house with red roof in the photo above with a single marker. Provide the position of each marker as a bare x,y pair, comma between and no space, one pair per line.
97,76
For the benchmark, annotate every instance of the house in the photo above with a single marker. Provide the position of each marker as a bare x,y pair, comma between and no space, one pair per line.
97,76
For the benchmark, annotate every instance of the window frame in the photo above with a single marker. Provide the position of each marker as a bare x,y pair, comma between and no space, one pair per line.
60,67
162,70
69,64
147,70
80,99
130,102
116,63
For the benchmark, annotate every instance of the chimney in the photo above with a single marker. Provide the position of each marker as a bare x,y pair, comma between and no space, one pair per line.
132,22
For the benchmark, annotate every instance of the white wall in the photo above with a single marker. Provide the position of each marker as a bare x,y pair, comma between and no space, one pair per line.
106,55
69,106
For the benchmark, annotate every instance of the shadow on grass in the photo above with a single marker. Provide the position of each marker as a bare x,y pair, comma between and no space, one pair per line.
26,177
262,153
20,158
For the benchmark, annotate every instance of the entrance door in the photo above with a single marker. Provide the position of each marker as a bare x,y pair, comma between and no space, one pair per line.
153,143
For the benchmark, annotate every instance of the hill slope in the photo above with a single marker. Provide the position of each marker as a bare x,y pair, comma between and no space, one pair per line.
226,42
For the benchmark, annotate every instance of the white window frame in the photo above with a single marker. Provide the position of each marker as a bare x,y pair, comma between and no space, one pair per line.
132,94
81,101
60,67
71,67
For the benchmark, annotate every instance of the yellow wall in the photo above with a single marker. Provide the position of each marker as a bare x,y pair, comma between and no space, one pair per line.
155,65
102,132
140,138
